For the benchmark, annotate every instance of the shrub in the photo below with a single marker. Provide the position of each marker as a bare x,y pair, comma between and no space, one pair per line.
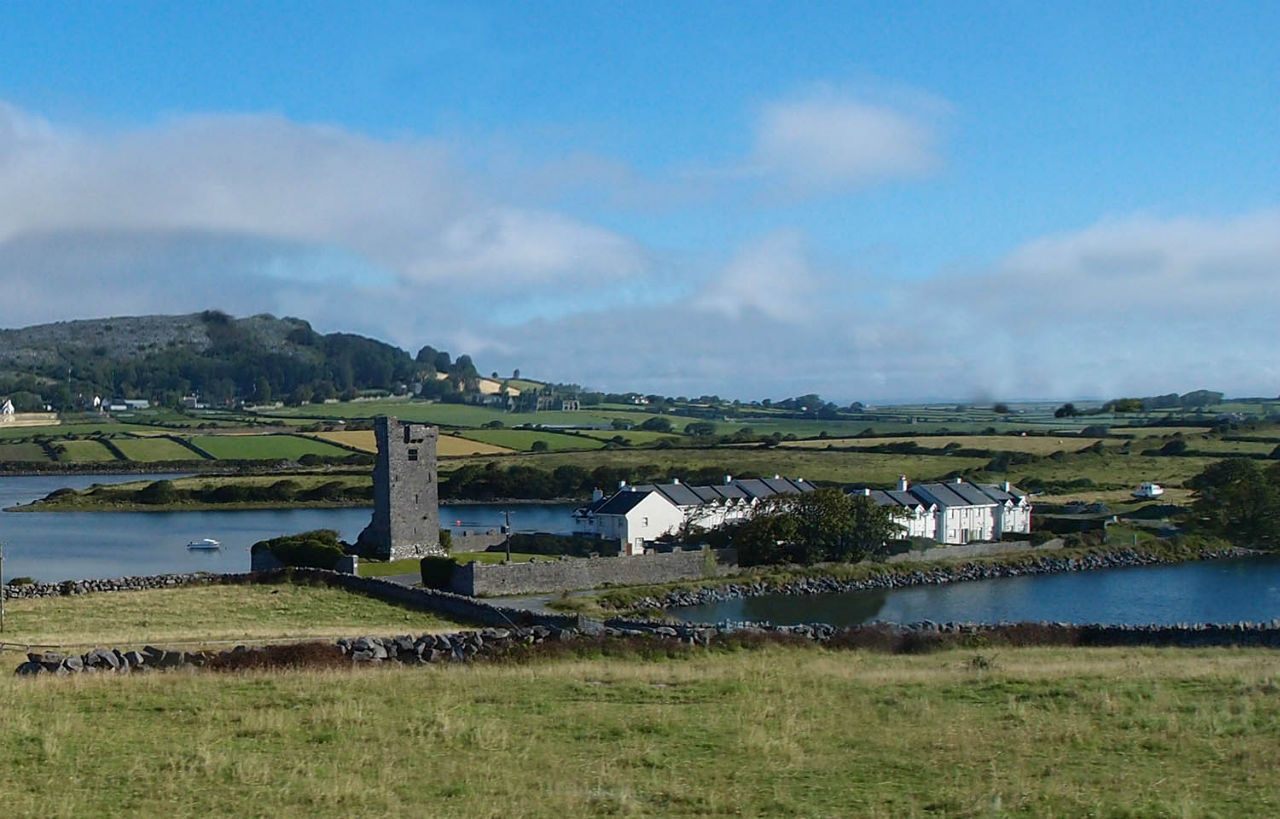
317,549
446,540
157,493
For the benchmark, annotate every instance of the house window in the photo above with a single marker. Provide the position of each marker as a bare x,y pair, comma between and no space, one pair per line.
644,521
413,454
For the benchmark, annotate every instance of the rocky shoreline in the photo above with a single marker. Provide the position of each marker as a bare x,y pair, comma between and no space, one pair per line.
938,575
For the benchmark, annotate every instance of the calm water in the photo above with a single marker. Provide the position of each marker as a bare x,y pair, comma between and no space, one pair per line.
1210,592
51,546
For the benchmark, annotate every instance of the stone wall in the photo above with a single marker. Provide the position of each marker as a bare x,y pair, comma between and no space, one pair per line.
476,541
554,575
970,550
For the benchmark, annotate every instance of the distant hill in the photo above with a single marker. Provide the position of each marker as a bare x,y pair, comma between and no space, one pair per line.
256,359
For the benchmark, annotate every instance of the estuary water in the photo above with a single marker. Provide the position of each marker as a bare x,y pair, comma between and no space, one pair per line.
1218,591
53,546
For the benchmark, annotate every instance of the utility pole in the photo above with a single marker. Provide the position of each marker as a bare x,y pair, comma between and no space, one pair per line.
3,591
507,530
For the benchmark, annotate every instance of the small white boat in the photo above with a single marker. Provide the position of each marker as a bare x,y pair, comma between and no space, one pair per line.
1149,490
207,544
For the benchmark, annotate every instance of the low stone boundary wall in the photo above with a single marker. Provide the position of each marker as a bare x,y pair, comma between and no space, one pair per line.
555,575
495,643
475,541
441,602
969,550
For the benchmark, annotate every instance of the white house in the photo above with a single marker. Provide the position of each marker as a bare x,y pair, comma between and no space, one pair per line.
6,410
635,515
957,512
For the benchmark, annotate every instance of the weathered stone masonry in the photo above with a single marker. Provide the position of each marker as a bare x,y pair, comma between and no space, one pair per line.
579,573
406,511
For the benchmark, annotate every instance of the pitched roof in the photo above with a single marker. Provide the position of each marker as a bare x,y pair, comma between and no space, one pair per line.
623,502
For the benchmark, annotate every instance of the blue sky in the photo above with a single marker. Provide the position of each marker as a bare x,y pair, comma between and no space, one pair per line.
873,201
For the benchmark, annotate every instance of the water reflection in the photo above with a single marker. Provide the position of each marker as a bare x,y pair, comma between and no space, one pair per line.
1208,592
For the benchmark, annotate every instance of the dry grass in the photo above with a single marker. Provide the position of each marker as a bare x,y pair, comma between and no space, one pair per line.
775,731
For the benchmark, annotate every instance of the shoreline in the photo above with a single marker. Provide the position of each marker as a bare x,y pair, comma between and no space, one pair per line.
40,506
924,574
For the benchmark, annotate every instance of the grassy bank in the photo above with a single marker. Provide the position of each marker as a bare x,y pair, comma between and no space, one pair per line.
212,613
772,731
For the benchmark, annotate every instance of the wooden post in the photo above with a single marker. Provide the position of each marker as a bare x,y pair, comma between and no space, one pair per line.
3,591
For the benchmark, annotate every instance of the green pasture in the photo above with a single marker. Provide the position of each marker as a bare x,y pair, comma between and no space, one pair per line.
265,447
22,452
523,439
770,731
154,449
635,437
204,613
87,449
841,467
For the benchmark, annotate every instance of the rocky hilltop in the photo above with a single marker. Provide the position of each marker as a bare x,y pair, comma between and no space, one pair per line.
44,346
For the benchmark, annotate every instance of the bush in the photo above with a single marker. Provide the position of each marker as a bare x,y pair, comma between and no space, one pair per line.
157,493
317,549
446,540
437,572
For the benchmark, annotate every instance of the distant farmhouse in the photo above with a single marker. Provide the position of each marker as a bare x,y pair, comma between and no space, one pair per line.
635,516
957,512
6,410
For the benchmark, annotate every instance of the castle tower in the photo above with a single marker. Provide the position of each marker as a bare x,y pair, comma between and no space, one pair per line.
406,511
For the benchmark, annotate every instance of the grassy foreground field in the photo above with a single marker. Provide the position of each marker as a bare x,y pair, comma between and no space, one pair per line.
209,613
796,731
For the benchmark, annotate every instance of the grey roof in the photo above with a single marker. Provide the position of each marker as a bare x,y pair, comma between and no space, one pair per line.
939,493
997,493
685,495
622,502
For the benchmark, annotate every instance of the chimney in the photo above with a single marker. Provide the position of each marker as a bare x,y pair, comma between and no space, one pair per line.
903,483
728,479
622,484
597,494
1007,487
959,479
776,476
866,492
675,481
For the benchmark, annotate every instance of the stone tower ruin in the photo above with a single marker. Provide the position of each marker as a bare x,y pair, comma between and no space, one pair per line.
406,511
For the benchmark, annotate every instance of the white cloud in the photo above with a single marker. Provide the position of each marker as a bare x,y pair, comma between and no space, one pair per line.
828,141
402,204
770,277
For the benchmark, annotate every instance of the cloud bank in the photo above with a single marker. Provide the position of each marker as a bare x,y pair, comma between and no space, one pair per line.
399,239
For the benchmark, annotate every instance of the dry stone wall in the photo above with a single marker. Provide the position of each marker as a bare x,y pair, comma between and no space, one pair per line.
554,575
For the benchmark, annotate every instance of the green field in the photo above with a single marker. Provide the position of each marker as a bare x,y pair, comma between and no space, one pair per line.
523,439
154,449
450,415
635,437
22,452
772,731
845,467
210,613
86,450
265,447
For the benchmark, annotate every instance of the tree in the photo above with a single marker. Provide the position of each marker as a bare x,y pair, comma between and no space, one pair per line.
701,429
515,373
539,445
656,424
824,525
1240,501
1067,410
1000,409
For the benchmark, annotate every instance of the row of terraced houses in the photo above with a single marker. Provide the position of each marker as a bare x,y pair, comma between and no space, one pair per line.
951,513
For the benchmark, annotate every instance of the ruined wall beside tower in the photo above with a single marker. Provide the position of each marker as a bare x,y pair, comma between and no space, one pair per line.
406,511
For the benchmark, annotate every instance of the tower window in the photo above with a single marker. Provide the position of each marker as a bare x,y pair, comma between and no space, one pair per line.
413,454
